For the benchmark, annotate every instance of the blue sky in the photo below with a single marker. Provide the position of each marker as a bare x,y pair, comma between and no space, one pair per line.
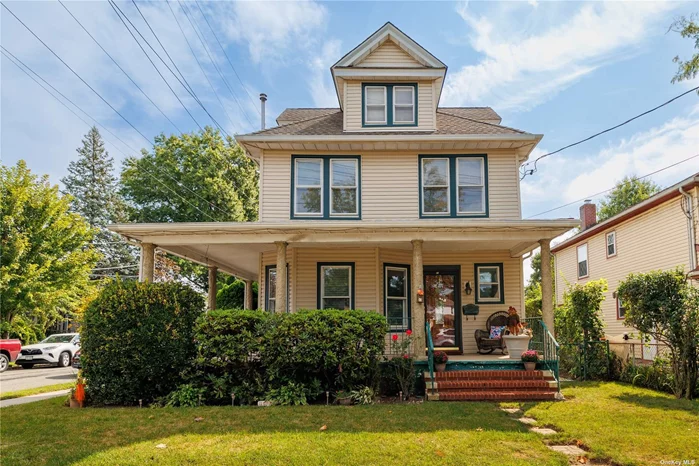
565,70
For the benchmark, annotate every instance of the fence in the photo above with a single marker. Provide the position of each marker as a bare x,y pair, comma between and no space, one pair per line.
398,341
586,360
639,353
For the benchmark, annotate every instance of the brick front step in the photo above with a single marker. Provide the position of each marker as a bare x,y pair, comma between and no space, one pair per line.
481,385
491,375
492,395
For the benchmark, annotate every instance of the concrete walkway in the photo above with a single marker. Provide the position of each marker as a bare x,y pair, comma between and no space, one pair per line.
32,398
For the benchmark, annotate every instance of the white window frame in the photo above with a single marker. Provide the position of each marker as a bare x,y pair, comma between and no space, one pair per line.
406,314
481,185
448,186
578,261
412,106
271,298
366,106
322,284
355,187
611,234
619,306
499,283
297,186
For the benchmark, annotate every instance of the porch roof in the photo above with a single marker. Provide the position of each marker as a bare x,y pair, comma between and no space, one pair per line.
234,247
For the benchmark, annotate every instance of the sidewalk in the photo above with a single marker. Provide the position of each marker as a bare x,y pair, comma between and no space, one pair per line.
32,398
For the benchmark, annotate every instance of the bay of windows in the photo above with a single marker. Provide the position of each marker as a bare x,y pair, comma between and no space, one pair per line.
453,186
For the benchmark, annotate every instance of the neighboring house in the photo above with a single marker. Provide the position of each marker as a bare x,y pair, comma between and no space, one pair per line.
656,234
371,204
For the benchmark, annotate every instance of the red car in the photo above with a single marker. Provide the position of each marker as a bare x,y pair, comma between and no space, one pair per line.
9,349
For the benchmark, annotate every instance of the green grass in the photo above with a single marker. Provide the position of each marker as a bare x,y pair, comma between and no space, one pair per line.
625,424
36,391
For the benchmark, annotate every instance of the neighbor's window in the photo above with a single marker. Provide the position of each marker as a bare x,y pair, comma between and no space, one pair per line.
471,181
396,289
435,186
343,186
375,105
336,286
309,187
582,261
403,104
489,283
611,244
620,308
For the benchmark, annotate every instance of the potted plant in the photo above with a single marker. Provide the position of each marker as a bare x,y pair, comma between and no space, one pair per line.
517,341
530,358
440,360
343,397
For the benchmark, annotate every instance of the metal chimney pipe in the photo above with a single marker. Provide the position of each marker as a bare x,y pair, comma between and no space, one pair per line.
263,99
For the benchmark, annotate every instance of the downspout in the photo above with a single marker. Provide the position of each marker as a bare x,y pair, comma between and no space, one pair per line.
689,213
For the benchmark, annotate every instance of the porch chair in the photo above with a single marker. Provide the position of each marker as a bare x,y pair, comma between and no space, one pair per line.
487,345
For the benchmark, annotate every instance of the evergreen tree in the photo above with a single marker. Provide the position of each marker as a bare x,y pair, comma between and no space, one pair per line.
95,194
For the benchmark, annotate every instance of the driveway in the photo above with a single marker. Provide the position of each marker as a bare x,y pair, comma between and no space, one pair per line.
19,379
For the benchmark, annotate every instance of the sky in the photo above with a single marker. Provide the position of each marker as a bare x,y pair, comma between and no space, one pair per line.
562,69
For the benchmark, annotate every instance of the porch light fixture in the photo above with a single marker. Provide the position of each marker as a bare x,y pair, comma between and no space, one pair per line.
467,288
420,296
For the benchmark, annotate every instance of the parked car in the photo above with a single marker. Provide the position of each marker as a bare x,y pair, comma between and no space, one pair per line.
9,349
76,360
57,349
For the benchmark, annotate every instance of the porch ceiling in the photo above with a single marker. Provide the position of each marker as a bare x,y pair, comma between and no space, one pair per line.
235,247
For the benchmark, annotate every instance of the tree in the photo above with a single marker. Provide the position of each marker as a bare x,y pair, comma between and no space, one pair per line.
626,193
46,253
193,177
688,28
532,293
95,195
663,305
232,295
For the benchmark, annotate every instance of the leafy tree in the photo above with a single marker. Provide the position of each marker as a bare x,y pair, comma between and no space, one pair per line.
663,305
232,295
193,177
46,254
95,195
688,28
532,293
626,193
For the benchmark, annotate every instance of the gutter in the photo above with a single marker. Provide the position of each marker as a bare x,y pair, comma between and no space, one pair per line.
398,137
689,212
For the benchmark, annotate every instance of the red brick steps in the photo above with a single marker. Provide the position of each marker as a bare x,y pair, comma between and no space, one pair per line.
491,385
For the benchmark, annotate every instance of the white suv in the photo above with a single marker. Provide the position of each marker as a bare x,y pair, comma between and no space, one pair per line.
57,349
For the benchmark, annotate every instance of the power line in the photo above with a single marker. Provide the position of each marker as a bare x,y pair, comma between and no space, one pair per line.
526,172
610,189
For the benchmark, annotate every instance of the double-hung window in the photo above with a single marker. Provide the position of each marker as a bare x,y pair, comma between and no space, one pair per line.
271,288
396,291
583,271
489,283
389,104
336,285
453,186
620,308
611,244
376,106
326,187
403,105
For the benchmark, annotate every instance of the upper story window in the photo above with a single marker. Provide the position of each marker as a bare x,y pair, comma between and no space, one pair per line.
582,261
453,186
611,244
389,104
325,187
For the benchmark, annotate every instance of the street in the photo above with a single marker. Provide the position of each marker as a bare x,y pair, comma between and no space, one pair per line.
21,379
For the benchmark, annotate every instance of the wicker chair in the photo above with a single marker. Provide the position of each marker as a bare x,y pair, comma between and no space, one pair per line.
487,345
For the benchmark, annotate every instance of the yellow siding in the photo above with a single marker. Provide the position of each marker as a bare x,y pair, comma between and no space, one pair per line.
389,55
654,240
353,107
369,263
394,200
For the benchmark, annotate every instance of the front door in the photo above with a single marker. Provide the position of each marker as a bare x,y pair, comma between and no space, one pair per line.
442,305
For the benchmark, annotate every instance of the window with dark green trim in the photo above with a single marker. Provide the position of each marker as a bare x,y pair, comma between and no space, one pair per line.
326,187
336,285
396,292
453,185
489,283
389,104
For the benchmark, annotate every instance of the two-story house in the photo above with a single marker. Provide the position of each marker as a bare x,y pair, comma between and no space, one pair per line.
387,203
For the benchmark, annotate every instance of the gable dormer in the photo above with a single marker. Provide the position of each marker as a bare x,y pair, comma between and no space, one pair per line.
389,82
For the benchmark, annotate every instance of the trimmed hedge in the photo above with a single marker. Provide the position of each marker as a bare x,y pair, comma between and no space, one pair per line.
136,340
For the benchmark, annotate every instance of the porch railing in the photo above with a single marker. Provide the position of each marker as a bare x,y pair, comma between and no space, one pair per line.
546,345
430,354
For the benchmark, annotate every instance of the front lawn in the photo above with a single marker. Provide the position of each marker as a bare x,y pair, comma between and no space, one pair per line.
36,390
624,423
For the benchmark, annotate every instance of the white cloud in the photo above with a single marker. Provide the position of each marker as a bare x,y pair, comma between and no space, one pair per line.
521,70
321,86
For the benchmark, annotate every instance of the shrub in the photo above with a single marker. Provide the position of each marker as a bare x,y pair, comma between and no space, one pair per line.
232,295
362,396
186,396
136,340
294,394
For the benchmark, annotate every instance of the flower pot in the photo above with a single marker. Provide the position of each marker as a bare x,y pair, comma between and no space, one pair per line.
344,401
516,345
530,366
440,367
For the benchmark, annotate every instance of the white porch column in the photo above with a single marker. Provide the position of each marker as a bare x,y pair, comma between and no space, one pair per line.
145,273
280,298
248,294
212,288
546,285
417,309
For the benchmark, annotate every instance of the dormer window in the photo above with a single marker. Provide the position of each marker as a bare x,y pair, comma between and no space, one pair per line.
389,105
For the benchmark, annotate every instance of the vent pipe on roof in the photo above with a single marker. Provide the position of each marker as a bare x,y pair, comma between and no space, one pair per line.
263,99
